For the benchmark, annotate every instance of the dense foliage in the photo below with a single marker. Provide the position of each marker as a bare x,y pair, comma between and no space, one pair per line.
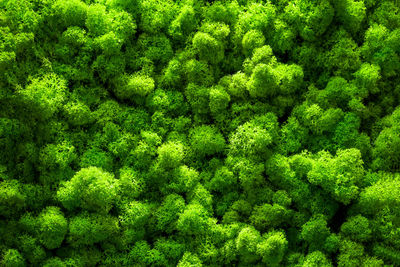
192,132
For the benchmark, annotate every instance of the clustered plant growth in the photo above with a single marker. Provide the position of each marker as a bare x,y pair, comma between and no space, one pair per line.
193,132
